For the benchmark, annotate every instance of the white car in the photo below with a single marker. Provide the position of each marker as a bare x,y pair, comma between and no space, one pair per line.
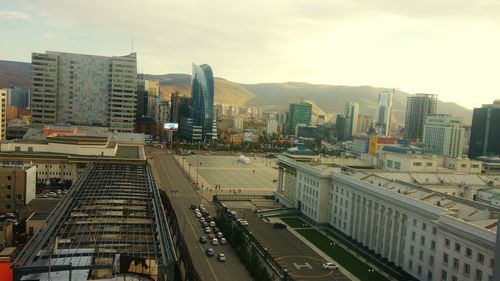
198,215
329,265
221,257
244,223
215,242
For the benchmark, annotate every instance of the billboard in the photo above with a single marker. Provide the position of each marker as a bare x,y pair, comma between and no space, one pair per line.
171,126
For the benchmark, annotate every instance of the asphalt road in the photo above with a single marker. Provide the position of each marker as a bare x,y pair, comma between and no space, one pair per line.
180,190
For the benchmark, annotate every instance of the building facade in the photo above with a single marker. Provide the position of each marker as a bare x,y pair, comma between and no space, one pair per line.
485,135
352,113
298,113
84,89
444,135
418,107
18,97
271,127
430,235
3,114
364,123
383,113
18,184
202,100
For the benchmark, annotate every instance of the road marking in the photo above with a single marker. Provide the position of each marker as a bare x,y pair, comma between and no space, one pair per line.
300,266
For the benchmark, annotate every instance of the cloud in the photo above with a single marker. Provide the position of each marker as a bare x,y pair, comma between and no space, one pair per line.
14,15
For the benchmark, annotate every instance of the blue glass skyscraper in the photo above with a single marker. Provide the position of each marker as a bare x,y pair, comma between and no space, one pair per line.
202,100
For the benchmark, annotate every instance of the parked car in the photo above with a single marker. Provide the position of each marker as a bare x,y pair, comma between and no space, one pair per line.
209,218
329,265
215,229
202,219
208,230
223,241
210,252
212,224
220,235
221,257
198,215
244,223
204,224
215,242
193,206
196,210
203,239
211,236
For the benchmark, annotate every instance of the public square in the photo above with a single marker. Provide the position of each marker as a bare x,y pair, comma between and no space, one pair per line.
230,175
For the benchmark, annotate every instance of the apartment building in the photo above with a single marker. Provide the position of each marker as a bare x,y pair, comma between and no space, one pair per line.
84,90
17,186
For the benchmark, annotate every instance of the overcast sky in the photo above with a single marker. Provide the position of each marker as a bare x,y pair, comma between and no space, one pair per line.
445,47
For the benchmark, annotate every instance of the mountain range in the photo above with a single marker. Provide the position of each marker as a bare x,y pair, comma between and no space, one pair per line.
326,99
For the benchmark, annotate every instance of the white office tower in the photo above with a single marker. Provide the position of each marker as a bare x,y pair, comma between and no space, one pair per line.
383,113
444,135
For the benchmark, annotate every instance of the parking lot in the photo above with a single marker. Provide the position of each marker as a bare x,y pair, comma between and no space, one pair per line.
300,261
256,177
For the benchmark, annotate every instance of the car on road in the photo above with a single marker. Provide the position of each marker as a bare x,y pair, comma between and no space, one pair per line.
215,229
244,223
210,252
221,257
220,235
198,215
208,230
215,242
212,224
209,218
329,265
203,239
211,236
223,241
193,206
196,210
204,224
202,219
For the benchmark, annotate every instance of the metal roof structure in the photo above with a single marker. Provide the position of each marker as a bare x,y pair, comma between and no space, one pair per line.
111,223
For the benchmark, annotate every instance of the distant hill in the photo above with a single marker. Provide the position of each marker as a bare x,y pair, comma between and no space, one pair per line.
14,73
268,96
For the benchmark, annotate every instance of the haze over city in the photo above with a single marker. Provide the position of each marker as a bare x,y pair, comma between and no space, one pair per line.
449,48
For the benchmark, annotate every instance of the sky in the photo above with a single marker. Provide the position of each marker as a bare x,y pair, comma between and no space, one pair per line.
446,47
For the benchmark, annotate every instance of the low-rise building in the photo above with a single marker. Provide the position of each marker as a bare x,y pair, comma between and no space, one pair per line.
430,235
17,186
490,196
34,223
389,161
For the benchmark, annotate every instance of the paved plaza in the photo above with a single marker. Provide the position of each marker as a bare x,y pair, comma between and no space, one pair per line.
257,177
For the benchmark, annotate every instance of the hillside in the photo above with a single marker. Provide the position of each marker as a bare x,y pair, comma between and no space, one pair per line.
268,96
14,73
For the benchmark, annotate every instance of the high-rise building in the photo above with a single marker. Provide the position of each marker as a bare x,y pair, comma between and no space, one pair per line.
3,114
271,127
343,125
444,135
364,123
142,99
179,107
84,89
352,112
485,132
383,113
418,107
18,97
202,100
152,88
298,113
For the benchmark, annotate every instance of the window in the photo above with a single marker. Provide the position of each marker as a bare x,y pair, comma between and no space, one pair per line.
454,278
479,275
397,165
434,230
433,244
447,242
429,275
443,275
455,264
419,270
19,196
445,258
466,269
463,166
410,264
389,163
412,249
468,252
417,164
480,258
429,164
422,240
492,261
424,226
414,222
8,196
7,206
413,236
9,178
431,260
420,255
457,247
